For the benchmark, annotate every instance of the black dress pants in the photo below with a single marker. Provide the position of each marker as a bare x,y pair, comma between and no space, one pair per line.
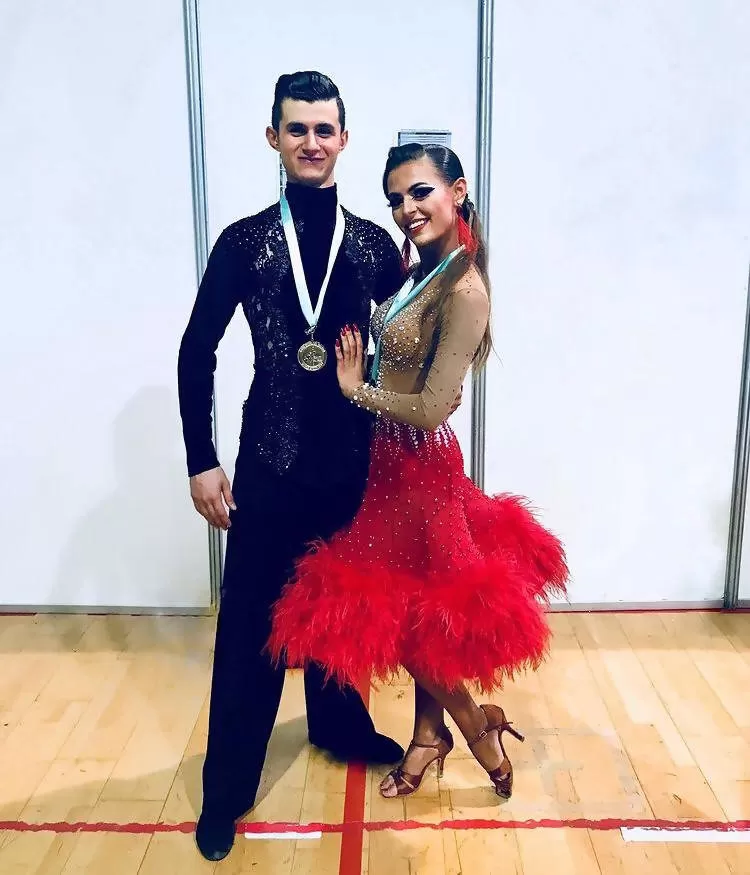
274,522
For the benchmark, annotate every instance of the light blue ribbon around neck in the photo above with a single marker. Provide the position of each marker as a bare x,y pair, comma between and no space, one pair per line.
303,293
403,298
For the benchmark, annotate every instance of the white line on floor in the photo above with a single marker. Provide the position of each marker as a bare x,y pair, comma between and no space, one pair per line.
712,836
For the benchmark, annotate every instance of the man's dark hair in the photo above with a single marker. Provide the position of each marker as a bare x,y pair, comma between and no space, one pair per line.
307,85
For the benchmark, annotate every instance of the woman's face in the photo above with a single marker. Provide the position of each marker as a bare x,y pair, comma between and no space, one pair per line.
423,204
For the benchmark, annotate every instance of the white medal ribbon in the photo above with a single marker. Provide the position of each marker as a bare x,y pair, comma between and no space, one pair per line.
406,294
303,293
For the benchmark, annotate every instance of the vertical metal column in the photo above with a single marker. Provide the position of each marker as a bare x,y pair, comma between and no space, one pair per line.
739,484
200,219
485,51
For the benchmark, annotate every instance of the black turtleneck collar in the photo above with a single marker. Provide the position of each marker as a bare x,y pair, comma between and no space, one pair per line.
305,199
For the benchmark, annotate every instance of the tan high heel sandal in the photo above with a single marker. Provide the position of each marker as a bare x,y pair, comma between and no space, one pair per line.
405,782
502,776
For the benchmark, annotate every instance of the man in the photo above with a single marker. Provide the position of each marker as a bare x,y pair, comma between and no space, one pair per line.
301,270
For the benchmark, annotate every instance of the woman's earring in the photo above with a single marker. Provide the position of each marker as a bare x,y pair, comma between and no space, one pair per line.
465,237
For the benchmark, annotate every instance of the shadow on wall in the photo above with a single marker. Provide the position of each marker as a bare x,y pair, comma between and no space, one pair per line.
144,545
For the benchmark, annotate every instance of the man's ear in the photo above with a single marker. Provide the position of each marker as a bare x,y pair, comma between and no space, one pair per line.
344,140
272,137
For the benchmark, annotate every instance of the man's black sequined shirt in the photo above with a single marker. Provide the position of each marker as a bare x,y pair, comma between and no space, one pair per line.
296,423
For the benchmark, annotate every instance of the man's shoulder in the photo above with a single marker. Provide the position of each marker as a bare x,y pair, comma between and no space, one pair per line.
369,233
364,224
262,221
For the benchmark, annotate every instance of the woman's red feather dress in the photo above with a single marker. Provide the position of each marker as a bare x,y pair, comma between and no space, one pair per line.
432,574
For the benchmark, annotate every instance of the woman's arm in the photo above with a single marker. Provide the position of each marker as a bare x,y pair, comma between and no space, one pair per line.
462,327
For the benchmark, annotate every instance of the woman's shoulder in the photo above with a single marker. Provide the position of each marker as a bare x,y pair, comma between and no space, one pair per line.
470,292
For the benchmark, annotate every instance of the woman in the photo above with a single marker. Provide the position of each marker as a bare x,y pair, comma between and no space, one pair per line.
432,575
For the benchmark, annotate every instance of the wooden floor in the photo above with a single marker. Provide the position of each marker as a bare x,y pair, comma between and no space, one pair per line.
646,716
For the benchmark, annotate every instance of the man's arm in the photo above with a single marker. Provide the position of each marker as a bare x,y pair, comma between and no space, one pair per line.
389,268
214,307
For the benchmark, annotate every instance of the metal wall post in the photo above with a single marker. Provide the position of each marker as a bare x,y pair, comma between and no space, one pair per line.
739,484
200,220
483,160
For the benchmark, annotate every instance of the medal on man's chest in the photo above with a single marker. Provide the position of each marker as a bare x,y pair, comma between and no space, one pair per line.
312,355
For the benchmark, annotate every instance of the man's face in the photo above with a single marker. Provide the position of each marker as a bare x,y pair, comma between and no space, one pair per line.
309,140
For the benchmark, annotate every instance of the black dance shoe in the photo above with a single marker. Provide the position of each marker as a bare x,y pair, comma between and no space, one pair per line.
214,837
372,748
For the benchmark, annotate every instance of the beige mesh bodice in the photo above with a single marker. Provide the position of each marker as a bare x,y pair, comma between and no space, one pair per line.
423,362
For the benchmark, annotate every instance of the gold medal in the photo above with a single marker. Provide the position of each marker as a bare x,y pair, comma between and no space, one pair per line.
312,356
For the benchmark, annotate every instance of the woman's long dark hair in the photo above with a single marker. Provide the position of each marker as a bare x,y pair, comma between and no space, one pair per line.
448,165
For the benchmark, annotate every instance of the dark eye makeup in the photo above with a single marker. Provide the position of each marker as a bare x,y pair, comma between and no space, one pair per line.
419,192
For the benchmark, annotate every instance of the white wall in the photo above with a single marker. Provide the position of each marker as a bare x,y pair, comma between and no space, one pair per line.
98,278
621,209
620,223
382,57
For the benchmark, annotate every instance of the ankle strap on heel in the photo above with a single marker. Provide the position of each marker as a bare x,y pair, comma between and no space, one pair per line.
435,746
482,735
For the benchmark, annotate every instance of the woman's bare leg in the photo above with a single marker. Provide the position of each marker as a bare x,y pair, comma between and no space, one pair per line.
429,720
430,700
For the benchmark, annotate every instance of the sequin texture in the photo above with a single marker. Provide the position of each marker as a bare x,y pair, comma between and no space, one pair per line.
295,422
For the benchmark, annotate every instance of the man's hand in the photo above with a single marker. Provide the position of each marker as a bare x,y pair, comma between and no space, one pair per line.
212,496
457,402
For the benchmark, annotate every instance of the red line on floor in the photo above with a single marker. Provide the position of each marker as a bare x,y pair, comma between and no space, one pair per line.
358,827
350,858
603,825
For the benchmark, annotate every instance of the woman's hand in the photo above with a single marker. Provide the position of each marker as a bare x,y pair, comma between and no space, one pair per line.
350,361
